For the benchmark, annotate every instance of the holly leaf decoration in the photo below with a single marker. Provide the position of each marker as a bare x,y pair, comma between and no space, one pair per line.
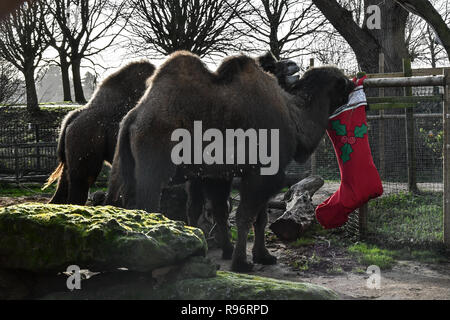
360,131
346,150
339,128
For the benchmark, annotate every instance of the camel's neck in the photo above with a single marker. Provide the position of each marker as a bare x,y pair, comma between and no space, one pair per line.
310,122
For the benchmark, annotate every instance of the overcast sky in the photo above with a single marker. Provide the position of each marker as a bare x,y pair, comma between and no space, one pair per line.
120,54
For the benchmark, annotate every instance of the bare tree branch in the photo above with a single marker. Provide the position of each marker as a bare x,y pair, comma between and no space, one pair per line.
88,27
9,82
285,26
202,27
22,44
426,10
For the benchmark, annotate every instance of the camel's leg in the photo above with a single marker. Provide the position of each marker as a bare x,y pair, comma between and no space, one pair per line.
81,178
216,194
153,171
255,192
78,190
260,252
195,201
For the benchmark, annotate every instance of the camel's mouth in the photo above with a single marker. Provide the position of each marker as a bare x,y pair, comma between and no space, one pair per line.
291,70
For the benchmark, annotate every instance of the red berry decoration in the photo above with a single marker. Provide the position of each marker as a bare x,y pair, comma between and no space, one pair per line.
344,139
351,140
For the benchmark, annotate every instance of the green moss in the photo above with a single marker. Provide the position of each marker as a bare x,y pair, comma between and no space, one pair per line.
196,279
358,270
372,255
335,270
306,263
41,237
426,256
302,242
228,285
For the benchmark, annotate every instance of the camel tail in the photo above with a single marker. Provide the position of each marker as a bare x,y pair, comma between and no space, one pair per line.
61,148
54,176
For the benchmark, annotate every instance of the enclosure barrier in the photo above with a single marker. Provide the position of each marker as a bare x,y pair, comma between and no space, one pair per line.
399,80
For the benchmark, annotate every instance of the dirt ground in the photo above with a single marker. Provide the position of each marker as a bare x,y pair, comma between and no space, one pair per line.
406,280
8,201
334,267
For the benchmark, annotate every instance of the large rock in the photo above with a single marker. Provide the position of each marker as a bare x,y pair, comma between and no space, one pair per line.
196,279
233,286
14,285
44,238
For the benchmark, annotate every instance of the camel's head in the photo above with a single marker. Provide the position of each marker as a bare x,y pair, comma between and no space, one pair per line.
326,86
284,70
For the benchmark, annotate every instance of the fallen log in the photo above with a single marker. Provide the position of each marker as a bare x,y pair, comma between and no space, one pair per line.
299,210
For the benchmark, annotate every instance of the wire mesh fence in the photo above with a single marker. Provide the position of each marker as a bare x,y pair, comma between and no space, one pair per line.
27,153
399,217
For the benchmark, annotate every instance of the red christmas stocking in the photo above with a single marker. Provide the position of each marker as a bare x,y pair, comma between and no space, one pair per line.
360,180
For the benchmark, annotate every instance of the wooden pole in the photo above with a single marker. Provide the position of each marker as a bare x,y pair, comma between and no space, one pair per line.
38,150
363,215
381,132
16,162
363,211
410,134
446,160
404,82
313,156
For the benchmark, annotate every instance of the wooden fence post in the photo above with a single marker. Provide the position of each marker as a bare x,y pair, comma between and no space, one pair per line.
313,155
446,159
38,149
410,133
363,213
381,130
16,162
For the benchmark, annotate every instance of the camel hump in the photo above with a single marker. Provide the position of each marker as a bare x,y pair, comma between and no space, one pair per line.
133,72
236,66
182,64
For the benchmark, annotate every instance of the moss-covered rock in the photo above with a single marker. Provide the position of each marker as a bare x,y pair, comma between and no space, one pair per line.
209,286
233,286
196,267
43,238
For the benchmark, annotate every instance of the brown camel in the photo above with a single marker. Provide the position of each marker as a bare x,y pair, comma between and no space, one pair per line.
88,135
99,121
239,95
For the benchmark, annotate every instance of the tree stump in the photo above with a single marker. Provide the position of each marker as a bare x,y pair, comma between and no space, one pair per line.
299,211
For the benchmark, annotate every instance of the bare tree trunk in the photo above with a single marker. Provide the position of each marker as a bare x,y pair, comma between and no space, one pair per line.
77,86
274,44
32,100
391,36
368,44
65,77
